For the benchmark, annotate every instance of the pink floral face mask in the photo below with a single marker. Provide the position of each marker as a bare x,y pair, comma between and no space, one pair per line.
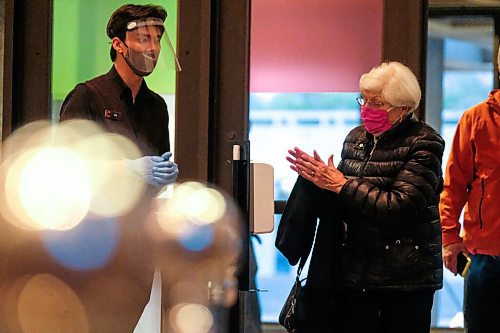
376,121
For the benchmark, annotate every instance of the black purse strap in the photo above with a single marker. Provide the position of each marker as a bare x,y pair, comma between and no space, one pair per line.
302,262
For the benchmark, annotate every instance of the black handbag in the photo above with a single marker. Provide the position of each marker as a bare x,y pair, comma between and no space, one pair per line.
291,315
316,306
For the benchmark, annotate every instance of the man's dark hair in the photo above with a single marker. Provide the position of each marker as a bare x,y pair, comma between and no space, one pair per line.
117,24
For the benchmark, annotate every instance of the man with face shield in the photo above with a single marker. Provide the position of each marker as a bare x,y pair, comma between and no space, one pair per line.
115,295
144,37
121,101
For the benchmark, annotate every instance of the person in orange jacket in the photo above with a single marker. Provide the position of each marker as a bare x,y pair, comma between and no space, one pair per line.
472,181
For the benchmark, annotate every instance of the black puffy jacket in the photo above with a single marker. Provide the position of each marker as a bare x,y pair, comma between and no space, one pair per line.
391,208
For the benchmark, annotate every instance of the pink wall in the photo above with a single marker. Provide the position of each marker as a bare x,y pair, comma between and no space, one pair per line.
313,45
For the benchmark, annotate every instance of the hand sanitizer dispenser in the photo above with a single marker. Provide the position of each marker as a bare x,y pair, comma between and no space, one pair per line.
261,198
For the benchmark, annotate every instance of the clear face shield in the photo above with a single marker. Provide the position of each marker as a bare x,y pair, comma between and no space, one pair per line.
145,39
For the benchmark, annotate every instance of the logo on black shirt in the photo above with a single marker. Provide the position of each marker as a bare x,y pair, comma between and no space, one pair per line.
113,115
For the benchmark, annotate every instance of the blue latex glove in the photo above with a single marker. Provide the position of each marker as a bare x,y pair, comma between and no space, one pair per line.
165,172
155,170
143,168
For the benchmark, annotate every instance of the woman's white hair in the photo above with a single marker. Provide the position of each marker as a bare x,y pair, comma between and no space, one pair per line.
396,83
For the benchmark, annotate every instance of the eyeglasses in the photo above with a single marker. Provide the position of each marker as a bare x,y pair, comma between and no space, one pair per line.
362,102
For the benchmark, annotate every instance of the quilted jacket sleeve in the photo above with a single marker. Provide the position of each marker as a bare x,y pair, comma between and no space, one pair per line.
415,187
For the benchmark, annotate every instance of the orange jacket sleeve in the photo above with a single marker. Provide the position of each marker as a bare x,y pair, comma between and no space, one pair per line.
459,175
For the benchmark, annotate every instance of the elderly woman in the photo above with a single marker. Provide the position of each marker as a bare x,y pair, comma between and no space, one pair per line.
388,184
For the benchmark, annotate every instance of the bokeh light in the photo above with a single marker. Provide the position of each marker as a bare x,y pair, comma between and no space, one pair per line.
191,318
89,245
197,238
43,303
198,230
52,176
115,189
69,188
191,204
54,188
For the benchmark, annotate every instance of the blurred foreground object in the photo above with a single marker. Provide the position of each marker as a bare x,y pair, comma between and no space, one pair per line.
53,176
82,236
198,232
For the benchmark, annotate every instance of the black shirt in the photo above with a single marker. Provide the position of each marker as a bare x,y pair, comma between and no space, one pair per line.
107,100
115,294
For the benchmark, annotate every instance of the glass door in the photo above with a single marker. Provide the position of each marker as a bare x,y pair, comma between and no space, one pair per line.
460,74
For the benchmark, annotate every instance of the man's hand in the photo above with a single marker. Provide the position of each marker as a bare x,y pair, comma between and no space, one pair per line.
155,170
166,171
450,253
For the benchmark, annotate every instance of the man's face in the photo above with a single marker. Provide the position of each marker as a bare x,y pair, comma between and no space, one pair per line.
145,39
143,48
